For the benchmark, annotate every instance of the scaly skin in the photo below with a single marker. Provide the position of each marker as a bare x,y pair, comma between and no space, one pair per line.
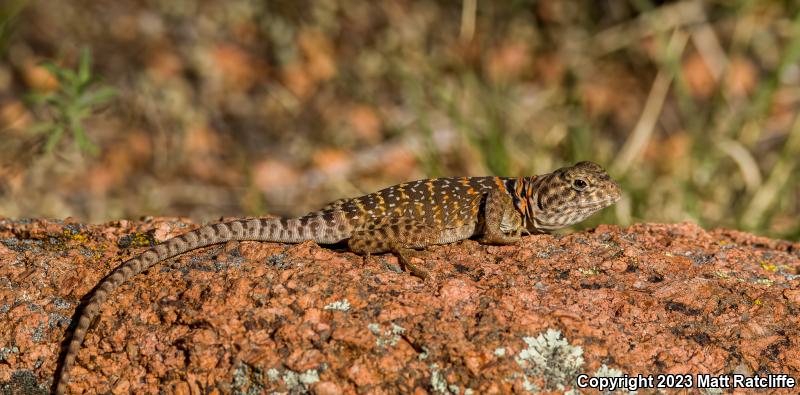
398,219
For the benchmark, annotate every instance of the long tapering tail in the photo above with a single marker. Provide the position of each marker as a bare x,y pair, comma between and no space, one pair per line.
318,226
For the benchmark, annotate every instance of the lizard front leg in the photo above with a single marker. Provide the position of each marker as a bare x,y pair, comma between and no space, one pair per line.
502,221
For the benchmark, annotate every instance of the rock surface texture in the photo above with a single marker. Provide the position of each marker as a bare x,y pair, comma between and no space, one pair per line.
254,317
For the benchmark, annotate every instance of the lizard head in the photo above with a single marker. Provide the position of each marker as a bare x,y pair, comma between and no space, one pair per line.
571,194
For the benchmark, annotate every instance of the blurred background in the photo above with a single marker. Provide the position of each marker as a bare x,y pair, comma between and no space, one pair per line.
201,108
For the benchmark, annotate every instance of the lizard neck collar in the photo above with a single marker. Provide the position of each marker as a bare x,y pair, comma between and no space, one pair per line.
522,191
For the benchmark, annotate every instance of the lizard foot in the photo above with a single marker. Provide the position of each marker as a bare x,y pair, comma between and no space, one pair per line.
404,255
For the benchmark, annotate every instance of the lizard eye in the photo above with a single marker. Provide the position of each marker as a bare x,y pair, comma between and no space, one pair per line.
579,184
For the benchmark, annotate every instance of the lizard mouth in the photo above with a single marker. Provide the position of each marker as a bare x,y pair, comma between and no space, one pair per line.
595,205
604,202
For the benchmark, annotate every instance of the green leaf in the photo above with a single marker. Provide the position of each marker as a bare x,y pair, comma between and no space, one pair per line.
78,113
37,97
70,78
42,127
84,67
55,137
56,71
53,100
82,140
69,105
98,96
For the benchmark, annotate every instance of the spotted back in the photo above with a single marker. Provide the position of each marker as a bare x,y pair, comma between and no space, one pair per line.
444,202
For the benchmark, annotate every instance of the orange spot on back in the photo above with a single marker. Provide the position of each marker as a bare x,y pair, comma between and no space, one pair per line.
500,184
523,203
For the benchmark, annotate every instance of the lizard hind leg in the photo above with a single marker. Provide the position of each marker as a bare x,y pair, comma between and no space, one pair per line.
398,235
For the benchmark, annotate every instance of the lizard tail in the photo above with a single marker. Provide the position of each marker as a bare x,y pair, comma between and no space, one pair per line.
311,227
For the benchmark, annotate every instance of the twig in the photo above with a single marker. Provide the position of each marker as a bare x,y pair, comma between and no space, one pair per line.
468,11
661,20
643,130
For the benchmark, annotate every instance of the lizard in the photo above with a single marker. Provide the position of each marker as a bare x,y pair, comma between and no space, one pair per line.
400,219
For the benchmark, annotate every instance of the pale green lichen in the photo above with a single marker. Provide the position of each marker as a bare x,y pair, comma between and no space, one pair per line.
340,305
290,379
438,383
764,281
388,337
374,328
500,351
552,358
605,371
273,374
295,382
5,351
530,387
309,377
397,329
248,380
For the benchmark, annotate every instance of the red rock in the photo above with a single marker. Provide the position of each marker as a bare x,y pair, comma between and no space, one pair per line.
362,375
420,391
793,295
327,388
646,299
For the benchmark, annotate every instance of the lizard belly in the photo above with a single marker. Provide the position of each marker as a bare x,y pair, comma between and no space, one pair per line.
451,235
